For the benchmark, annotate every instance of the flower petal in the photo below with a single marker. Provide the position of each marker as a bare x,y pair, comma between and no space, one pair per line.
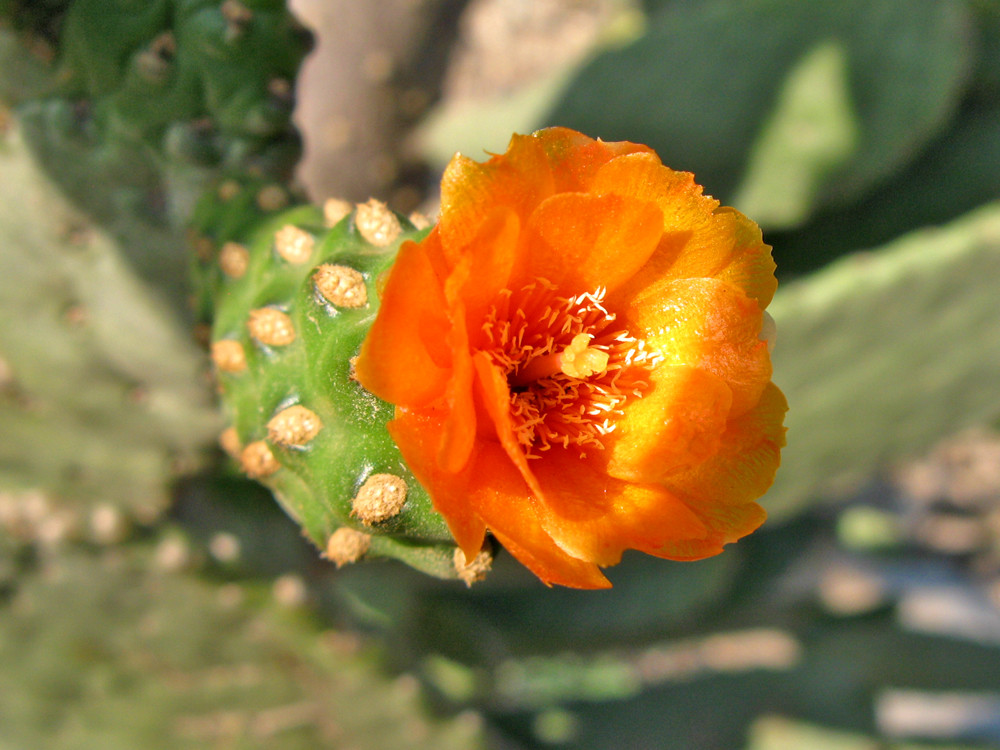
737,520
744,466
419,436
470,191
706,324
485,266
548,562
403,359
684,461
676,425
496,400
580,241
460,424
700,238
750,266
722,490
593,516
504,502
488,491
576,158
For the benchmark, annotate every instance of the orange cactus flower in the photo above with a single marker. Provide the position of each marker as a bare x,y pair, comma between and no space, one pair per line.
577,355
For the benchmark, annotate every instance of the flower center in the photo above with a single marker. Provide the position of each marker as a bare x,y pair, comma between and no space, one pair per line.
568,369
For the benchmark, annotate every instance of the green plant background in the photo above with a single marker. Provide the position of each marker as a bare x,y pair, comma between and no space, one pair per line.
150,597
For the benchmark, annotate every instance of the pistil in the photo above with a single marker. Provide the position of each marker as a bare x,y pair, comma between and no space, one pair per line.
580,360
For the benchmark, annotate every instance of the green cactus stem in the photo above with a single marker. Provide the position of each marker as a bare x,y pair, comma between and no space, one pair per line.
135,107
292,305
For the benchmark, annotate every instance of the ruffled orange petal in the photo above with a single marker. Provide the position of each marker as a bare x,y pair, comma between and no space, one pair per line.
744,466
471,287
750,266
496,400
595,517
404,359
537,553
504,502
722,490
470,191
485,266
580,241
576,158
707,324
738,520
419,435
700,238
460,425
676,425
488,491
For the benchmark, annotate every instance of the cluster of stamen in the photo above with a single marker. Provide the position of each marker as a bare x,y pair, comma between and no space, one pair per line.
568,369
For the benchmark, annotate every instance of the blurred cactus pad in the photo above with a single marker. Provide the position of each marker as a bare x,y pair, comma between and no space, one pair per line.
135,106
169,295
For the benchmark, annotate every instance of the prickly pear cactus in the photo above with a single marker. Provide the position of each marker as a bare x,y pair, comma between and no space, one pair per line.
136,106
292,306
114,117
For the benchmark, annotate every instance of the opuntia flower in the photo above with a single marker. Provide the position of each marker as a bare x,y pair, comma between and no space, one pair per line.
578,358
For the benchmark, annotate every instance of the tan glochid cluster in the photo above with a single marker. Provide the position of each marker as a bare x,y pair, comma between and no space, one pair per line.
202,245
294,426
347,545
257,460
419,220
341,286
381,497
293,244
229,190
236,12
234,259
271,327
474,570
376,223
335,209
228,356
272,198
229,441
